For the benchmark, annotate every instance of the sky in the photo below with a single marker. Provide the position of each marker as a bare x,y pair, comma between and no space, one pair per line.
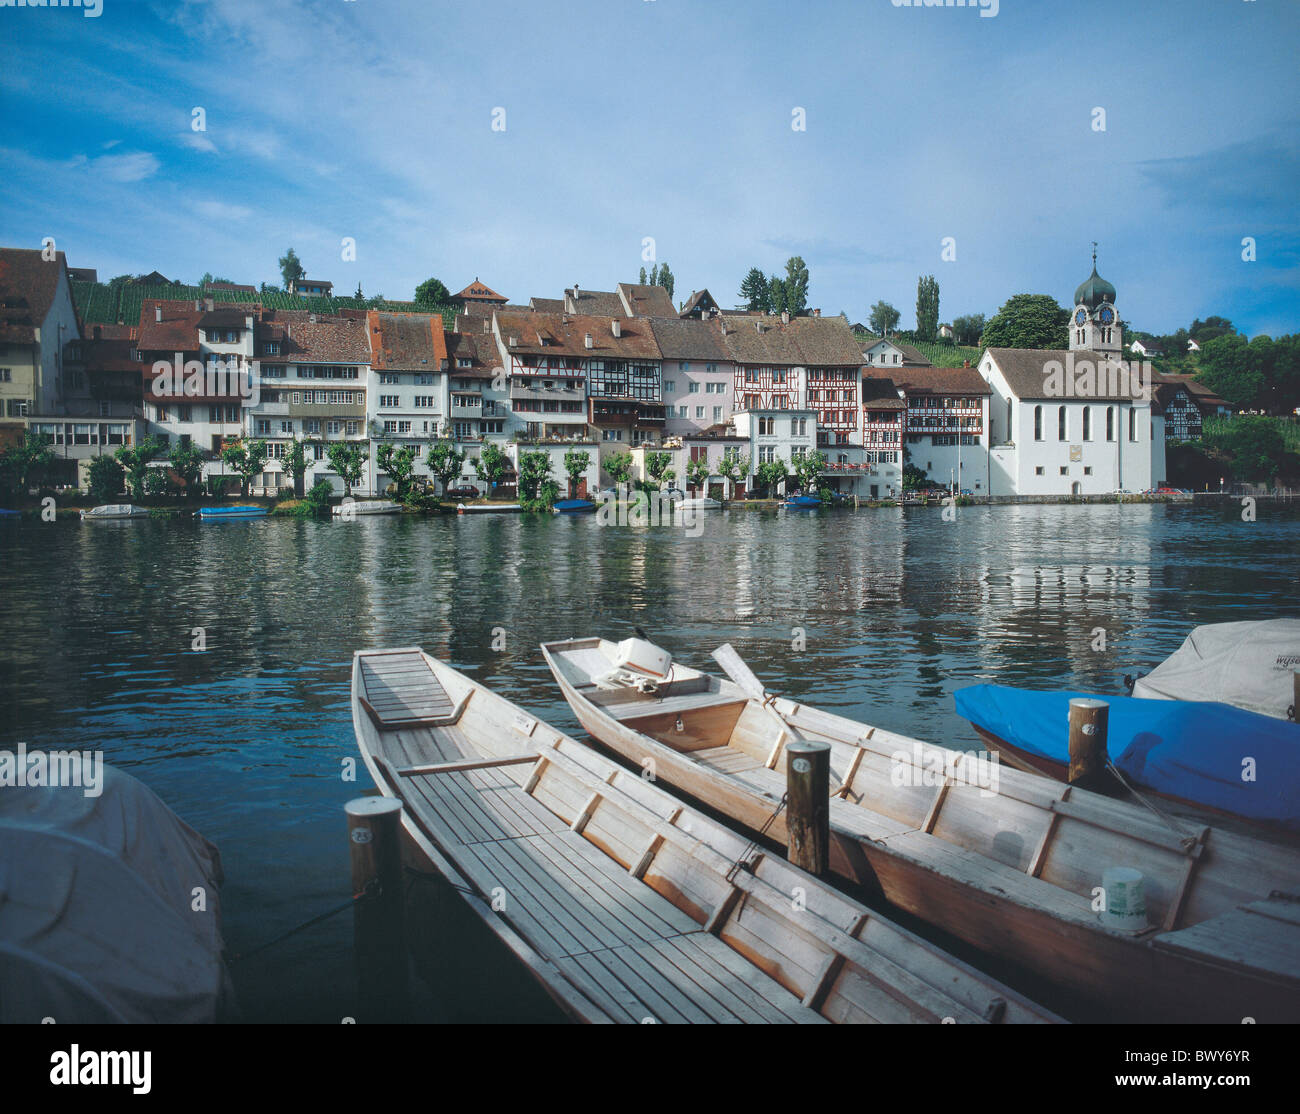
619,122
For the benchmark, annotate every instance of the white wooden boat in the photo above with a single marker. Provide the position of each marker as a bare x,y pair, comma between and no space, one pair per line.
114,511
366,506
624,904
704,503
1015,871
489,508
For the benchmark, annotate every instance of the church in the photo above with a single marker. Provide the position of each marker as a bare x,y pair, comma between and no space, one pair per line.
1074,421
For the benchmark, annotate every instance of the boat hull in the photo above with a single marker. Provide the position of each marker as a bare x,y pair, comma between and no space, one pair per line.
1050,935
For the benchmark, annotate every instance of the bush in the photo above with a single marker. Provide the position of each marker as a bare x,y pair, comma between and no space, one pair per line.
156,483
316,503
105,478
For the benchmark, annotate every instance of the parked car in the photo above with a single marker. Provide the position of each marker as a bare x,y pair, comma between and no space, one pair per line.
673,493
465,491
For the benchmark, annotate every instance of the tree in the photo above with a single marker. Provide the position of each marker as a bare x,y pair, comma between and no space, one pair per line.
316,502
642,278
27,459
927,308
398,464
734,465
1254,444
697,472
883,318
656,464
187,463
666,279
348,462
968,328
492,465
208,279
291,269
619,467
1230,367
1028,321
446,462
431,292
246,460
753,289
770,473
358,295
535,486
809,469
295,463
1210,329
135,460
776,295
796,285
575,464
105,476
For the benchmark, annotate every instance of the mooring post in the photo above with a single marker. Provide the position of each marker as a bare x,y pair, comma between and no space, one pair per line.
808,787
1089,719
1295,695
374,839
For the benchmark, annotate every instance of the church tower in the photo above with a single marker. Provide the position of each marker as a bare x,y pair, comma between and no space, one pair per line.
1094,325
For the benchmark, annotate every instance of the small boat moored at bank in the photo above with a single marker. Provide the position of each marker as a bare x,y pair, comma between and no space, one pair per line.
113,511
489,508
221,514
805,502
624,904
355,507
574,506
1006,860
703,503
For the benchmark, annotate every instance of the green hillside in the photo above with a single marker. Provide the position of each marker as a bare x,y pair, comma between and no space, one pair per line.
101,304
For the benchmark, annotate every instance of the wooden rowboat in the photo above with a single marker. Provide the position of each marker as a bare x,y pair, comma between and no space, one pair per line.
1013,868
624,904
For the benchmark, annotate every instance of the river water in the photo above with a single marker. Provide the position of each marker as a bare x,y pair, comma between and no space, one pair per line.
879,614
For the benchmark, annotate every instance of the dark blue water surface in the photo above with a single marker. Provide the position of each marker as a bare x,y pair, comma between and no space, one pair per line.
893,608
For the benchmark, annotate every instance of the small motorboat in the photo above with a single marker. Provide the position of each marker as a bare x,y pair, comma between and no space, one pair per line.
1006,860
6,513
1249,665
489,508
703,503
803,501
622,903
574,506
347,509
222,514
97,915
113,511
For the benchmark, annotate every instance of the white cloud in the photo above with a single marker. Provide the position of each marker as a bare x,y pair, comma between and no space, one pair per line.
199,142
134,166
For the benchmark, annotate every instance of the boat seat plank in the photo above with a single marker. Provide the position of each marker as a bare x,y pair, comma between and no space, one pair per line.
1246,937
726,759
627,711
479,815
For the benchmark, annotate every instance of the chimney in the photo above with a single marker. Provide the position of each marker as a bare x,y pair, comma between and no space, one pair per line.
616,327
312,318
514,342
197,305
785,317
590,342
965,363
207,304
758,325
817,313
97,332
157,314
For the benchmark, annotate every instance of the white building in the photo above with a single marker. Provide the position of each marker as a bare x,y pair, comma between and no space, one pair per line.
698,375
1076,421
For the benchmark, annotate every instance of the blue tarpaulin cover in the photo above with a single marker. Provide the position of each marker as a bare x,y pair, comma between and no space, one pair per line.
1196,751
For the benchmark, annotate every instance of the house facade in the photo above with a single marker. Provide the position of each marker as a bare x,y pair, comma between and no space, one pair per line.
947,424
698,375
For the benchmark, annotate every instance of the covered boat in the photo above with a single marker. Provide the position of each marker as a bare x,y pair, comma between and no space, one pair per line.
1249,665
574,506
113,511
1205,755
220,514
347,508
1006,860
805,502
98,909
624,904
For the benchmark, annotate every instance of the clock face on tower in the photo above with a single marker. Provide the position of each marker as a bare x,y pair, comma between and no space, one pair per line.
1081,317
1107,315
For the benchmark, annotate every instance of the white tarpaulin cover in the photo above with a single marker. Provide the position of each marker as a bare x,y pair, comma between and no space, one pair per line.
96,918
1248,665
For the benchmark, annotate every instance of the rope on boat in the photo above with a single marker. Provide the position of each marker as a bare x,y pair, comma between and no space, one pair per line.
744,863
1188,841
370,893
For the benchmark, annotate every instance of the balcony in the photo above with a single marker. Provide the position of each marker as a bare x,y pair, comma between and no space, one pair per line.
570,394
467,407
323,410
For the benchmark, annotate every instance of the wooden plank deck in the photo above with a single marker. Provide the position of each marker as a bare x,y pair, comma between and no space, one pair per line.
1263,936
401,689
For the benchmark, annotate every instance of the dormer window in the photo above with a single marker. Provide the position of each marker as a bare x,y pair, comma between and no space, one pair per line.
271,348
463,361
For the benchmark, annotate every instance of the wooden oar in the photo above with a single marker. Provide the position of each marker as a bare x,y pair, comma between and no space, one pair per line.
735,668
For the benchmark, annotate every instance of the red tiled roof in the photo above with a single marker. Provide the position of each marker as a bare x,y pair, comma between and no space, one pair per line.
28,284
564,334
327,340
178,331
479,292
406,341
940,381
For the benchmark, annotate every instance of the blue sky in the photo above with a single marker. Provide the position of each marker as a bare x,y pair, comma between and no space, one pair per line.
671,119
